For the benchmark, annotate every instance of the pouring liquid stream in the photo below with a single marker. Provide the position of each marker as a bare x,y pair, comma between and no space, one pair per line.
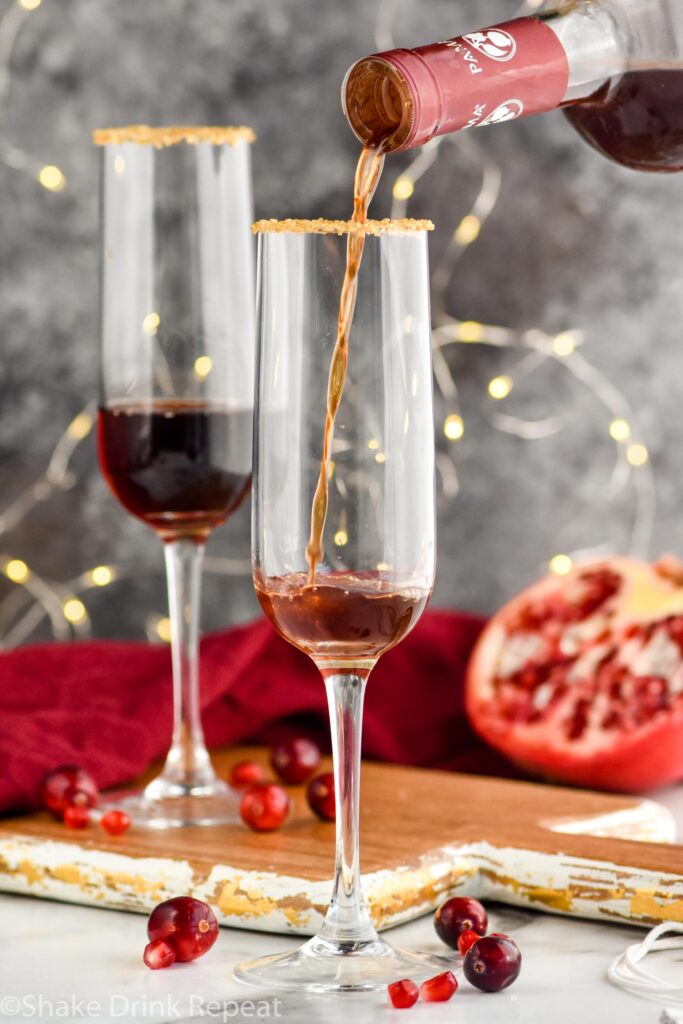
368,172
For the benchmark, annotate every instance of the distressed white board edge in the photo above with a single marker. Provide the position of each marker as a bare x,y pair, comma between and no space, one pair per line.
266,901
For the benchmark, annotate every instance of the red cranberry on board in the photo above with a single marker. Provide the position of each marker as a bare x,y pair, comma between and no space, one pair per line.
403,994
115,822
187,925
492,963
264,808
246,773
294,761
158,954
439,989
76,816
67,786
320,796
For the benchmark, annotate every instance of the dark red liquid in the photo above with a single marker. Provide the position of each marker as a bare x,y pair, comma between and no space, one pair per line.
181,467
638,122
342,617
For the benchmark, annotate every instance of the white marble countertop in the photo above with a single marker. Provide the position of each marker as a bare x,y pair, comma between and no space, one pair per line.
70,963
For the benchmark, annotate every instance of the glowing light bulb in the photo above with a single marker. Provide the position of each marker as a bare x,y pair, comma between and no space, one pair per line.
453,427
467,230
74,611
29,5
163,630
119,164
102,575
561,565
380,457
403,188
470,331
51,178
619,430
373,444
500,387
203,366
564,344
80,426
637,455
341,538
17,571
151,323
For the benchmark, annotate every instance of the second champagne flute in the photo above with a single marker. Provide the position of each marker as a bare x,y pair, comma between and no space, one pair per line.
177,371
348,592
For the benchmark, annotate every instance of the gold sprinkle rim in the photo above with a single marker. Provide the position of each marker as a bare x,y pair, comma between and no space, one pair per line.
401,226
172,135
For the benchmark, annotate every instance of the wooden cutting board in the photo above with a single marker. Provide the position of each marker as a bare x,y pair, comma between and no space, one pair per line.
425,835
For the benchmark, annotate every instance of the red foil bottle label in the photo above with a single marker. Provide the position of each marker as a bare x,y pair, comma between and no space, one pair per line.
512,70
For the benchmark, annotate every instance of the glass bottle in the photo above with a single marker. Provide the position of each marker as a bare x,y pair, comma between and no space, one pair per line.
616,66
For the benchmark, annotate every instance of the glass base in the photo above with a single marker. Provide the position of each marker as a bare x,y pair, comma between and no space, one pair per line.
322,966
164,804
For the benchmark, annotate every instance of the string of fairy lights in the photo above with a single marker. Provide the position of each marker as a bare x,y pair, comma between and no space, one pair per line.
34,598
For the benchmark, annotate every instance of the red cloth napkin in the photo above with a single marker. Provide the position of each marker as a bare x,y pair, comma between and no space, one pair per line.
107,705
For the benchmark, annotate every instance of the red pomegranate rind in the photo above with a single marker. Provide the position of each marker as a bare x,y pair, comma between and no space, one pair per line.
580,678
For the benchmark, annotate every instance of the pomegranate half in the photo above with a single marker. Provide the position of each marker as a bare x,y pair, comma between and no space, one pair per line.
580,678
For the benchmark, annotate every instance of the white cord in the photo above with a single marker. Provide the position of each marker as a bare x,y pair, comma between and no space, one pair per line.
626,973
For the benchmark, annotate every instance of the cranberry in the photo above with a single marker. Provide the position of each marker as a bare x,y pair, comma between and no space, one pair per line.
467,939
67,786
403,994
76,816
320,796
457,915
115,822
187,925
492,963
265,807
246,773
439,989
158,954
294,761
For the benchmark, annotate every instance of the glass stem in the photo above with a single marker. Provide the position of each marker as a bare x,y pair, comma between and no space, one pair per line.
188,763
347,921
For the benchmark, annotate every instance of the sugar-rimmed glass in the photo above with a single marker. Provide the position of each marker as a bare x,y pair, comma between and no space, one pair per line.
176,410
377,567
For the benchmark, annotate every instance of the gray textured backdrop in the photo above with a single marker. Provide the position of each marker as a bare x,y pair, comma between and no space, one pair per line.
574,242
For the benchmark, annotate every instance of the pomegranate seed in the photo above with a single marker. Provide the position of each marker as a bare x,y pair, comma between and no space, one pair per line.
403,993
66,786
439,989
457,915
467,939
492,963
76,816
320,796
188,926
115,822
265,807
246,773
295,760
158,954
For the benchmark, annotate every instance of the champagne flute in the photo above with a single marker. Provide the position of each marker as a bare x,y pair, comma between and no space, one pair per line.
376,568
176,410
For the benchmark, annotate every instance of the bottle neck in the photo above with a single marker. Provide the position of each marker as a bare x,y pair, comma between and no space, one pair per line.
595,43
403,98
